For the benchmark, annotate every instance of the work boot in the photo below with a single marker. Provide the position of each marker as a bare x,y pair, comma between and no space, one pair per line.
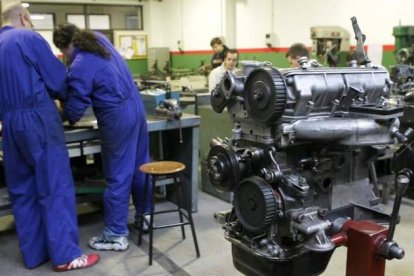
83,261
115,244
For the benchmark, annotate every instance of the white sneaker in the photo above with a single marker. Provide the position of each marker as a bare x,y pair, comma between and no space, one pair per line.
145,225
115,244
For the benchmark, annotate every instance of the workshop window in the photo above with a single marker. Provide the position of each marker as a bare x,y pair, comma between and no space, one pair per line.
99,22
42,21
105,18
77,19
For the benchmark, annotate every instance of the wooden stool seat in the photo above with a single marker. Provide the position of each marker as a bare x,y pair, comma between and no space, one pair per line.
162,167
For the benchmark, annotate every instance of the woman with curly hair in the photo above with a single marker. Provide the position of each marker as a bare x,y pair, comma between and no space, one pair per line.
99,77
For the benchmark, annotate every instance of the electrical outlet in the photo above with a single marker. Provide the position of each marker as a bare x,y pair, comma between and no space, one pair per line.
271,40
180,45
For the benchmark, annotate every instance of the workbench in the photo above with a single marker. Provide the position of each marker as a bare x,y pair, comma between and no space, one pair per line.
83,139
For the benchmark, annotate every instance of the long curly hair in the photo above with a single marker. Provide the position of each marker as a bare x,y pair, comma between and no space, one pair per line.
81,39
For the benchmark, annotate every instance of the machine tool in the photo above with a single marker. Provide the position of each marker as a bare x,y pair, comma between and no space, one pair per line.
160,101
159,69
402,74
188,82
158,97
330,44
297,162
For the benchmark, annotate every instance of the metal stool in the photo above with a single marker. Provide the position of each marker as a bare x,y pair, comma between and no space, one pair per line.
167,169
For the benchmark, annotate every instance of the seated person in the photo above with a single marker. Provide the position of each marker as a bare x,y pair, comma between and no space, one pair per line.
229,64
219,51
296,51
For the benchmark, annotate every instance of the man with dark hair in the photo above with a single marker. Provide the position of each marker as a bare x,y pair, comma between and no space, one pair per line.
218,57
36,161
230,62
296,51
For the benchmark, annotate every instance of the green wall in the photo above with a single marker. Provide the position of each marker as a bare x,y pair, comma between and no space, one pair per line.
388,58
189,61
138,66
193,61
277,59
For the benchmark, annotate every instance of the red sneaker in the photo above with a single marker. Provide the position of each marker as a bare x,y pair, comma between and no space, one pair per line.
83,261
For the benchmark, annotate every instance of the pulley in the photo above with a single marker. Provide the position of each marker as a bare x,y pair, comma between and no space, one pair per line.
255,204
265,95
223,168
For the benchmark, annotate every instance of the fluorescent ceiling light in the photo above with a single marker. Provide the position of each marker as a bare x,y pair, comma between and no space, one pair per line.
25,5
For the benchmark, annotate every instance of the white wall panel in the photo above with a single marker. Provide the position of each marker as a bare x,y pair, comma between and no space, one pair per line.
253,21
376,18
162,23
197,21
194,22
202,20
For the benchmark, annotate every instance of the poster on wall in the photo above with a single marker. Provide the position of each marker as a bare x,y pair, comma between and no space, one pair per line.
131,44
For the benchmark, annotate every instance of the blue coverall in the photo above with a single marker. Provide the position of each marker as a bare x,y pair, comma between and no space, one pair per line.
36,161
108,86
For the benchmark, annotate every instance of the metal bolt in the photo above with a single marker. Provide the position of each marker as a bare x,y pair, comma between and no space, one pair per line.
301,218
252,204
322,212
257,95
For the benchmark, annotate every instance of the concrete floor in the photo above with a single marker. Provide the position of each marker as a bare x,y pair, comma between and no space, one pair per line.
174,256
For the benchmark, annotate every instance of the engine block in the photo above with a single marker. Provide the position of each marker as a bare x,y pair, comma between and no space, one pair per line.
297,160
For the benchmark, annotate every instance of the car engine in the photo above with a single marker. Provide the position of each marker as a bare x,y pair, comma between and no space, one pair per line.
297,160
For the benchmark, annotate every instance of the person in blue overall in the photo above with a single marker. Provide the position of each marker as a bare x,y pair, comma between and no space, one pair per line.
99,77
36,161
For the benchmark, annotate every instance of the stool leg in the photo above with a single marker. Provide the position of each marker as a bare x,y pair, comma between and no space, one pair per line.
141,222
150,227
178,188
140,229
188,208
194,233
